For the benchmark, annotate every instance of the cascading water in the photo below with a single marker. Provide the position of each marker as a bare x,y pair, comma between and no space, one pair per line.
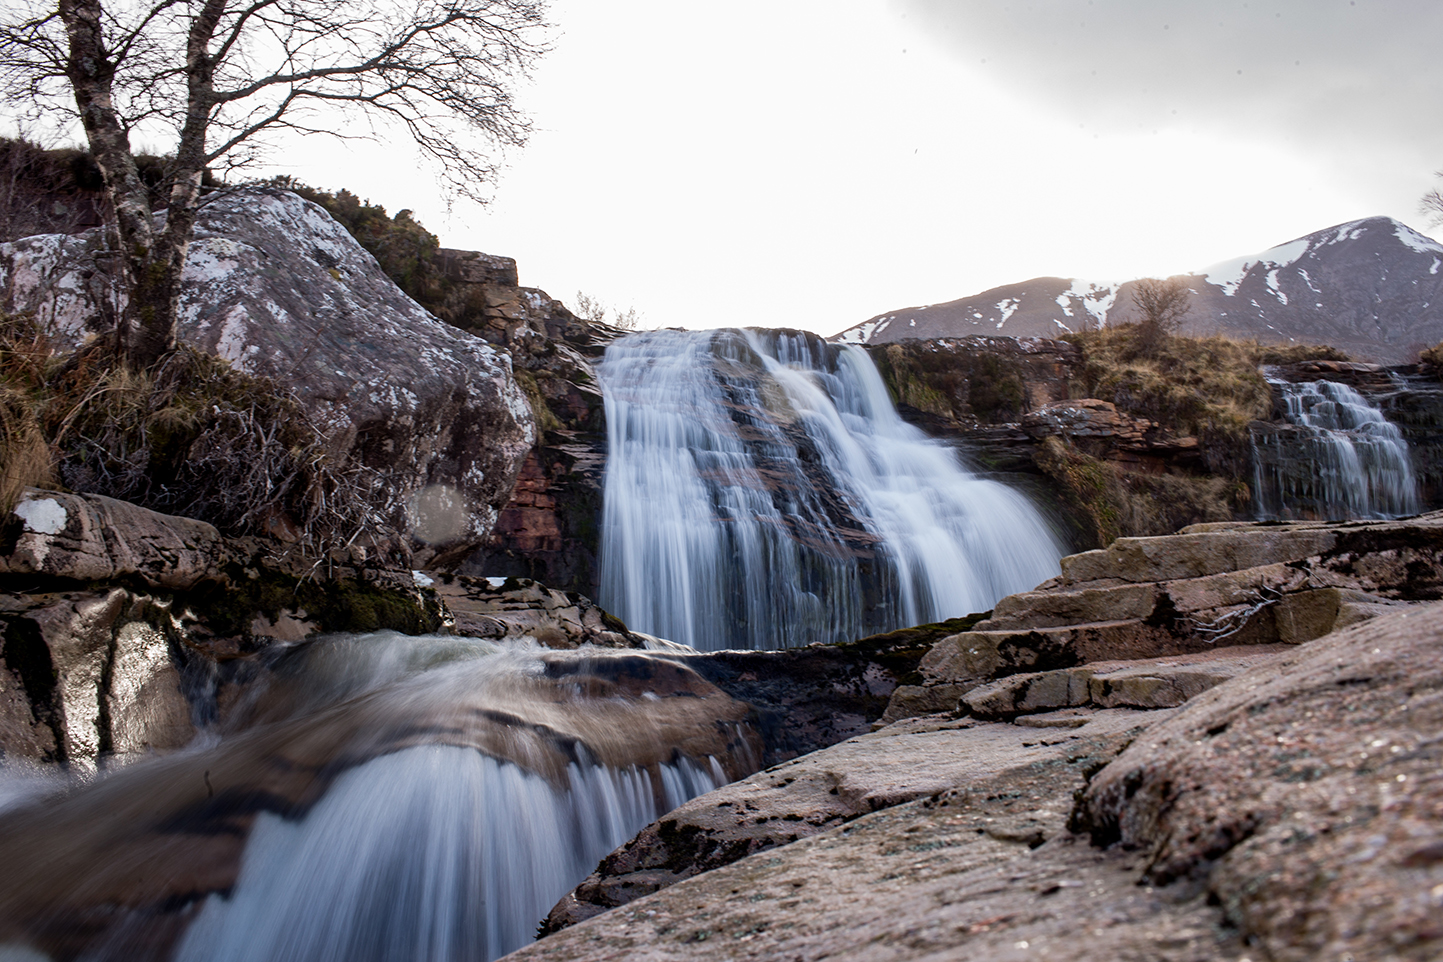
1340,459
762,492
385,798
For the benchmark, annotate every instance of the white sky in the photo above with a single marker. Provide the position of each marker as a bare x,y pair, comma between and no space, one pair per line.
812,163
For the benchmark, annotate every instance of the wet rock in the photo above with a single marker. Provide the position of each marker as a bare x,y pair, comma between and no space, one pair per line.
91,674
279,289
1304,798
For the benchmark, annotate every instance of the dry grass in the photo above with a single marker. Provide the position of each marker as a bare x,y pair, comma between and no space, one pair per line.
192,437
1201,386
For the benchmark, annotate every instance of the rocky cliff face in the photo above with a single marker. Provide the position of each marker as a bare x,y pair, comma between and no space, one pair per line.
1371,287
429,419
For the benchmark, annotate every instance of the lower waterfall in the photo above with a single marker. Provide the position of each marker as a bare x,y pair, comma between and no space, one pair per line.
762,492
1339,459
384,798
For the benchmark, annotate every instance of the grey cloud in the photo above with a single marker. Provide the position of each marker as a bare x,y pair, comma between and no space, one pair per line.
1358,80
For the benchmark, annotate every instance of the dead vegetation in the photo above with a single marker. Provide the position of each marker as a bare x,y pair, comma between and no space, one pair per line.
192,437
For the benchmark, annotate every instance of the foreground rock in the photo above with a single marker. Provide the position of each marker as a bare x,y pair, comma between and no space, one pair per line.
820,791
1292,812
1307,800
275,286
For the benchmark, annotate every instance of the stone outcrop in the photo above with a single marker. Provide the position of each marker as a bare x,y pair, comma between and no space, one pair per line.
548,531
1213,584
428,418
519,609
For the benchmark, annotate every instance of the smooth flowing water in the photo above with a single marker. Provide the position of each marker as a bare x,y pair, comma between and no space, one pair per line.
762,492
384,798
1342,460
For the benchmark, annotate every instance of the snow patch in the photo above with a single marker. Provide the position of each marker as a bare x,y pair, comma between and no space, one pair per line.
1230,274
1008,306
422,579
1273,286
861,334
1416,241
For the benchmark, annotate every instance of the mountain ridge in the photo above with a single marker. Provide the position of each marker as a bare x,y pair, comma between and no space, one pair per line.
1372,287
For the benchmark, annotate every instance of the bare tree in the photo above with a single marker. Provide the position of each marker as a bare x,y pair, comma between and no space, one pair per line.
1432,204
219,75
1162,305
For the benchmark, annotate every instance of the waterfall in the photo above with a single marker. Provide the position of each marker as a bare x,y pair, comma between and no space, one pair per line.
762,492
431,853
1339,459
380,797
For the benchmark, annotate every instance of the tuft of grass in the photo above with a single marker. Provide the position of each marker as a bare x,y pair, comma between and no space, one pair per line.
1190,386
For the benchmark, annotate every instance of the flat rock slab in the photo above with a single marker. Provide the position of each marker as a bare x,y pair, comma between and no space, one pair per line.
983,870
914,759
1144,683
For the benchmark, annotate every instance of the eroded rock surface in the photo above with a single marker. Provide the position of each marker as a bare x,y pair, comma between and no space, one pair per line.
817,792
1308,799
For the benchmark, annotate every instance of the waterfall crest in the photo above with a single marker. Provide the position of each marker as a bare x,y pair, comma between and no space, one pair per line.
762,492
1340,459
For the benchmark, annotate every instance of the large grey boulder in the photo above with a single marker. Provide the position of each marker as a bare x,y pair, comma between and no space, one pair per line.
427,417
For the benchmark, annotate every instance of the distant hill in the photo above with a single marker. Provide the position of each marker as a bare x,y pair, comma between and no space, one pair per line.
1372,287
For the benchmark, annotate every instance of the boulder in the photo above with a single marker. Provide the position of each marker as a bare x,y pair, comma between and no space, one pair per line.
88,538
429,418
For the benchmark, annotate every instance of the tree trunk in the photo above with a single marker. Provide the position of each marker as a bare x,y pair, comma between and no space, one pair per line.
151,260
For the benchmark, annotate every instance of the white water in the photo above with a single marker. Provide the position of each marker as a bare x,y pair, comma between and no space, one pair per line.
421,798
433,853
762,492
1353,463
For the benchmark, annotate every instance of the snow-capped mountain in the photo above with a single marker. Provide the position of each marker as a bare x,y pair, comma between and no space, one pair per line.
1372,287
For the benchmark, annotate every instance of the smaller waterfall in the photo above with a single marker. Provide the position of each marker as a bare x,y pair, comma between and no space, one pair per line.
1340,458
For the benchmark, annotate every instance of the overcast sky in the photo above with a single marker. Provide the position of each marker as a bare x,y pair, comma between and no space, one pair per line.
812,163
